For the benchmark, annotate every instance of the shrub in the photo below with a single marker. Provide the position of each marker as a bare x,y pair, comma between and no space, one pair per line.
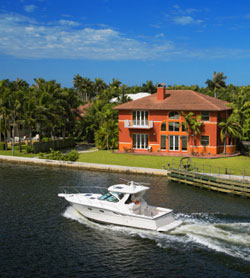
72,156
2,146
57,155
29,149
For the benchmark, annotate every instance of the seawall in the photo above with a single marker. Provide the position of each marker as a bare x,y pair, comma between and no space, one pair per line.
83,165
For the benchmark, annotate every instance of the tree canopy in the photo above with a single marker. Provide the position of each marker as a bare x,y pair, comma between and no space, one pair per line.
45,107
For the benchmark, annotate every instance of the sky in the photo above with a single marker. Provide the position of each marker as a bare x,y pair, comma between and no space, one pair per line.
176,42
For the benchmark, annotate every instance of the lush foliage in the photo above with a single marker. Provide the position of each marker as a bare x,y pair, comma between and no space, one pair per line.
44,108
2,146
229,128
101,121
193,124
45,146
51,111
57,155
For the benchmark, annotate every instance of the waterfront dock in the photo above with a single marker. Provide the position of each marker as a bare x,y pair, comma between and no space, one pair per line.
234,185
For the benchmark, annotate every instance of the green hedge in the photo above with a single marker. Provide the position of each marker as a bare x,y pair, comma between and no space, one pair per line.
56,145
57,155
2,146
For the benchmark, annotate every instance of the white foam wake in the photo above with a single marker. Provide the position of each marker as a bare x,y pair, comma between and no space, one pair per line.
232,239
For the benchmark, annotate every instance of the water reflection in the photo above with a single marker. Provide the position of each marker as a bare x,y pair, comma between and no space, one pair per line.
37,240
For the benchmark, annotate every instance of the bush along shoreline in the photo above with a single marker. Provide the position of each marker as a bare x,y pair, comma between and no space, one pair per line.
57,155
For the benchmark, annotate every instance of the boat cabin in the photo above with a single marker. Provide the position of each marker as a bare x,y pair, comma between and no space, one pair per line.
127,193
129,196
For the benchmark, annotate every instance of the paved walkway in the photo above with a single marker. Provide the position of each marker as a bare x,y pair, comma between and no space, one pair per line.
90,151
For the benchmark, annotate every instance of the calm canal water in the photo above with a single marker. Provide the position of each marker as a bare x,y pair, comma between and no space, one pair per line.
41,236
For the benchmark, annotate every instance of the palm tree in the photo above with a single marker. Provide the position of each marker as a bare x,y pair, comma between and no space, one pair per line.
78,85
5,91
193,124
241,108
229,128
217,82
149,87
20,90
100,85
115,83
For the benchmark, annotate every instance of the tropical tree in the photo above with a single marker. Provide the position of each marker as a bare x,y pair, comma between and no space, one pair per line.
4,109
229,128
193,124
85,88
30,112
217,82
78,85
241,108
149,87
100,86
106,137
115,83
20,88
100,121
55,108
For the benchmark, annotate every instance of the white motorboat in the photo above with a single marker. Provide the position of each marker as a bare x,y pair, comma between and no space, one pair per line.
123,205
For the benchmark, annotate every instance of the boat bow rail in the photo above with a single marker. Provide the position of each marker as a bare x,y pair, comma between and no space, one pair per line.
82,190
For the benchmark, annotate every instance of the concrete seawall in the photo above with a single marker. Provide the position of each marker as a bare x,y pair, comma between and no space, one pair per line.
83,165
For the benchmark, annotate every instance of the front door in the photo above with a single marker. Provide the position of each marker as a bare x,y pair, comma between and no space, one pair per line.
173,142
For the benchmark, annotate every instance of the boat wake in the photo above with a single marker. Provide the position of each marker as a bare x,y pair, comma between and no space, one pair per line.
217,232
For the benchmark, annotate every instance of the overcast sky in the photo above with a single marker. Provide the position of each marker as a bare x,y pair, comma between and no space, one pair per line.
176,42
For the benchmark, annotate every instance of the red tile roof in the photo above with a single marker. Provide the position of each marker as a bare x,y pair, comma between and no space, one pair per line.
82,109
180,100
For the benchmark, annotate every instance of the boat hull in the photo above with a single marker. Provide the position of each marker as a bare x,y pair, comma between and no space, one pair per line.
103,215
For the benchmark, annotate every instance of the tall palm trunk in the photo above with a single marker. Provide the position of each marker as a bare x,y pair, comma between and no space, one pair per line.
19,140
225,140
53,137
5,140
30,136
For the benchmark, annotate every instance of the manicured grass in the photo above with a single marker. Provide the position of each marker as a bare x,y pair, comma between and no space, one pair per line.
237,164
17,153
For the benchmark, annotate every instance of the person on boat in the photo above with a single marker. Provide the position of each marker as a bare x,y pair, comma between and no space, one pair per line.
133,204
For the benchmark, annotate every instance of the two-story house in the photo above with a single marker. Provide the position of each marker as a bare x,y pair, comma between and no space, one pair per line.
156,123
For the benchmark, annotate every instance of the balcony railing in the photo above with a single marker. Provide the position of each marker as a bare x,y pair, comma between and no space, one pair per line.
139,124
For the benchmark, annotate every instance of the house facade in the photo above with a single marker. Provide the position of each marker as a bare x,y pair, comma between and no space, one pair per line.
156,123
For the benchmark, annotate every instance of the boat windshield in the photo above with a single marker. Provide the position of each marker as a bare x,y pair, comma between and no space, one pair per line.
108,197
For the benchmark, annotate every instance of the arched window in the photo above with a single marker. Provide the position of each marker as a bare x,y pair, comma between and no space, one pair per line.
174,115
163,126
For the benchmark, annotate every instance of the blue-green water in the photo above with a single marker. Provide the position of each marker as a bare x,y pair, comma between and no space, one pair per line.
41,236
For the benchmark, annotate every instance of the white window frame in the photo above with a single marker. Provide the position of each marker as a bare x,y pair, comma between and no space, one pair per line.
140,118
174,141
140,141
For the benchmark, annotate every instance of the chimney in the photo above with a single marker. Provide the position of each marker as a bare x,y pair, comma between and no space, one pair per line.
161,91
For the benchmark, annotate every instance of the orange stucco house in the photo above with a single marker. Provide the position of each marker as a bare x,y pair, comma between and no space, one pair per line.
156,124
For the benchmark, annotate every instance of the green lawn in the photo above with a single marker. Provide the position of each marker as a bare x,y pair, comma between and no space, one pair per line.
17,153
237,164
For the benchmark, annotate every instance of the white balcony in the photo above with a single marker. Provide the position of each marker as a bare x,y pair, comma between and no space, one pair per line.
138,124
